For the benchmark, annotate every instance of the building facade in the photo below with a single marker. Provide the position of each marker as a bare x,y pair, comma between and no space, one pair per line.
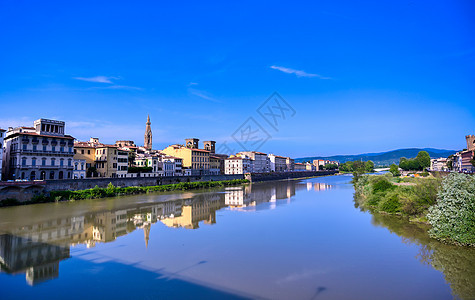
2,135
79,171
237,165
38,153
277,163
194,159
260,161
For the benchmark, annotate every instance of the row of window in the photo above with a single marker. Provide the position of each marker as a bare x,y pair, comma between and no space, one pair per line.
44,148
43,161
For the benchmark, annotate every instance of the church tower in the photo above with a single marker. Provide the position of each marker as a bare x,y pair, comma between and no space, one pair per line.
147,142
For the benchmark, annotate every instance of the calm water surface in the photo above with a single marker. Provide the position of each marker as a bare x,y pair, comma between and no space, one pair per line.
281,240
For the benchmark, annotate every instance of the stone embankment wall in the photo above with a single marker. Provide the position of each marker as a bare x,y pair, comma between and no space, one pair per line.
89,183
256,177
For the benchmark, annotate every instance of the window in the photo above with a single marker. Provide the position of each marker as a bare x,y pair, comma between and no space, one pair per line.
24,146
69,162
44,148
75,166
23,161
61,149
82,151
61,162
53,163
53,148
34,147
88,151
33,161
43,161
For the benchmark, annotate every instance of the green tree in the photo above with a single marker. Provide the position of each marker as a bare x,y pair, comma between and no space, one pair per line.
423,158
369,166
393,169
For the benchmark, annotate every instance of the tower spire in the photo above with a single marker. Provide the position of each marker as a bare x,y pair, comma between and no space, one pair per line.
148,135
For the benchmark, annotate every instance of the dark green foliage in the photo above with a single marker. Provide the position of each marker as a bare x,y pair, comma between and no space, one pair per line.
381,184
420,162
369,166
330,167
394,170
9,202
112,191
390,203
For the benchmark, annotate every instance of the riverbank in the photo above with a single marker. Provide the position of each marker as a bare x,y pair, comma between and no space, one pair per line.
446,204
113,191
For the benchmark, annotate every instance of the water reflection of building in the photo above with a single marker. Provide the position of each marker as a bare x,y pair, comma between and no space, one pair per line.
40,261
201,208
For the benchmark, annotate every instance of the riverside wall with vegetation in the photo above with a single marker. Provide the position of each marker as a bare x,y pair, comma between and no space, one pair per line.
113,191
447,204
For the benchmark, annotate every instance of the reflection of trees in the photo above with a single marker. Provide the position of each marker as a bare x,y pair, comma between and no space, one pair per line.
456,263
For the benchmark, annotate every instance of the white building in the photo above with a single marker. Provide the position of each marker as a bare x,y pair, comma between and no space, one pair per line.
79,171
2,135
40,152
277,163
260,161
439,164
237,165
122,162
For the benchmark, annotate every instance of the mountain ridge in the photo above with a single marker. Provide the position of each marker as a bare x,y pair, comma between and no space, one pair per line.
383,158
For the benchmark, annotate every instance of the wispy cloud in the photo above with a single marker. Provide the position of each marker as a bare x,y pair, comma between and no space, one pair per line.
299,73
192,83
118,87
98,79
203,95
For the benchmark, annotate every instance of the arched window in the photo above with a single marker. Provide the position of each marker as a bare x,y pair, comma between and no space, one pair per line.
60,175
33,161
53,163
23,162
61,162
33,175
69,162
43,162
43,175
51,175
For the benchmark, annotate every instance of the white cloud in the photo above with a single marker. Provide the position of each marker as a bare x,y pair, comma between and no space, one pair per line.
99,79
203,95
299,73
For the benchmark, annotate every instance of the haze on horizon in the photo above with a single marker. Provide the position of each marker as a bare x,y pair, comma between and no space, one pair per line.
361,77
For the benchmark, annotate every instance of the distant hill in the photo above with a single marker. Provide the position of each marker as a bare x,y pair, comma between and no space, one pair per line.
383,158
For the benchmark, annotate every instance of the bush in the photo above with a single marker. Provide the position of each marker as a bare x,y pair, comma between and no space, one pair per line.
391,203
453,217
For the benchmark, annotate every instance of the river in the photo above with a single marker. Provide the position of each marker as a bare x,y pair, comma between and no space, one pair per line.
298,239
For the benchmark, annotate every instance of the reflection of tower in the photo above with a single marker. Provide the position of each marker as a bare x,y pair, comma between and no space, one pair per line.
146,233
148,135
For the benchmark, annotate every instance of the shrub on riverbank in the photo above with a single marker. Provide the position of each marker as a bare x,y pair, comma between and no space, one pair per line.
453,217
411,197
112,191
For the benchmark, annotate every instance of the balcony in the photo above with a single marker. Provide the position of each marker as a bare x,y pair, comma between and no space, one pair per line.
101,158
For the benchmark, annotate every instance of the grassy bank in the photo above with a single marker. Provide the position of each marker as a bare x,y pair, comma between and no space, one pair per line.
113,191
447,204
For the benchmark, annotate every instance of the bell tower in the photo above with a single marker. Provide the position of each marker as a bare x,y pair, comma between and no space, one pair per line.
147,143
470,142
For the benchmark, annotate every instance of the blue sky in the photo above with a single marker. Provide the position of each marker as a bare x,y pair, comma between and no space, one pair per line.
361,77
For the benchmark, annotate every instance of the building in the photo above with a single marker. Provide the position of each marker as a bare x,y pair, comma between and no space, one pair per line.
439,164
2,135
86,151
290,164
106,160
237,165
122,162
197,160
40,152
215,164
277,163
466,156
79,171
300,167
148,135
311,167
261,162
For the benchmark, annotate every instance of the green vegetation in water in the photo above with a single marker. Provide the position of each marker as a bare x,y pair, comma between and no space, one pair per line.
447,204
112,191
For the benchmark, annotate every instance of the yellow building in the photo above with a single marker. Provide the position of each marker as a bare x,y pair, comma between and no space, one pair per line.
195,159
86,151
106,160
